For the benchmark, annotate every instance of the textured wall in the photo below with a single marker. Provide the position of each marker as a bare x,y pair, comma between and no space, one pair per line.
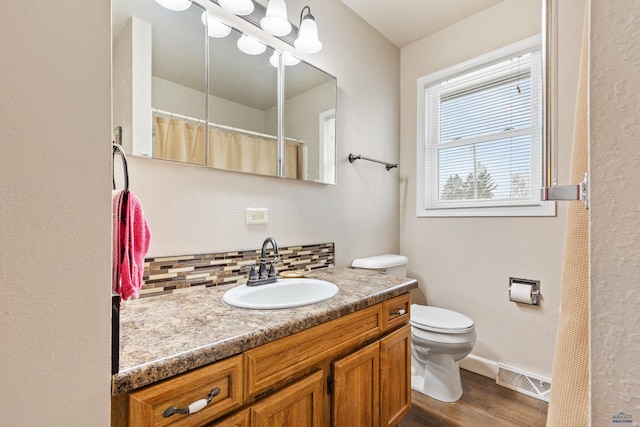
464,263
615,213
55,218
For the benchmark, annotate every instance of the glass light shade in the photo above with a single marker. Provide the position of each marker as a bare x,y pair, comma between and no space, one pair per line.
250,46
275,21
175,5
289,59
307,40
215,28
237,7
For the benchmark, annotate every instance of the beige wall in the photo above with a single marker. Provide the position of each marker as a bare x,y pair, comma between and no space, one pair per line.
55,218
615,220
56,187
193,210
464,263
56,222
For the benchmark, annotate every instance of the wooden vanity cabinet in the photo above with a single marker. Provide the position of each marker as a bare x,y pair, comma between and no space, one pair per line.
353,371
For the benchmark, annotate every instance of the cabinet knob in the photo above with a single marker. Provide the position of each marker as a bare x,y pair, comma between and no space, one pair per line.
398,312
194,407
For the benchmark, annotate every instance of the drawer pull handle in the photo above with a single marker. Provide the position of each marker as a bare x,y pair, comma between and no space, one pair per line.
398,313
194,407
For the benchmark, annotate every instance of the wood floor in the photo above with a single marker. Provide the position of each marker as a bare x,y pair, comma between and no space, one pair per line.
483,403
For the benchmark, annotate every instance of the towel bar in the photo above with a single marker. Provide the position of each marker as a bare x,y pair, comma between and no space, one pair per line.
117,148
389,166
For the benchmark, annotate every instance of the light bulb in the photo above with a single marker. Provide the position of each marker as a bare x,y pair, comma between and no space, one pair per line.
215,28
175,5
307,40
275,21
250,46
289,59
237,7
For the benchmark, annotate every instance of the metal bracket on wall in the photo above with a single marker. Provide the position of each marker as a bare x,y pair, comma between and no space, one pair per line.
568,192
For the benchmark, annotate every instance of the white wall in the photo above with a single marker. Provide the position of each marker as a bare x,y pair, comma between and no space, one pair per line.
55,218
464,263
615,220
194,210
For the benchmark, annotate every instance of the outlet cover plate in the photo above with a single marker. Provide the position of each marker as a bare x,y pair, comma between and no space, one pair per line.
257,215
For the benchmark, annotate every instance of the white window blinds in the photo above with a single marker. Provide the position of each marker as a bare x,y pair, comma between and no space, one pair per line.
482,137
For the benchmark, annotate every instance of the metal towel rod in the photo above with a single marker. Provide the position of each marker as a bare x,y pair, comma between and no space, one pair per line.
117,148
389,166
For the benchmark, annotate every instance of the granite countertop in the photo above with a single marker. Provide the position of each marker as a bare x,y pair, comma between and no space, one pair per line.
167,335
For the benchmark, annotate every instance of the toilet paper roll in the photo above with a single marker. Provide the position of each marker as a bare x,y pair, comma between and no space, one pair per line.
521,293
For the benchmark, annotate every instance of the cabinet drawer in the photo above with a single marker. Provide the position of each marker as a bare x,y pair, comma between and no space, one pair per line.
272,364
395,312
146,406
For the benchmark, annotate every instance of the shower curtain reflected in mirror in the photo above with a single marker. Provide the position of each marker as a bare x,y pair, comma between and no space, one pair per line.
180,140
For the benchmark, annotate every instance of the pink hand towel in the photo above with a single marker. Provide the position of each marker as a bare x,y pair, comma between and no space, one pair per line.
117,233
135,245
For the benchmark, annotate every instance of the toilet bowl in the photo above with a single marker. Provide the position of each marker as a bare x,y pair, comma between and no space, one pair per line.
440,338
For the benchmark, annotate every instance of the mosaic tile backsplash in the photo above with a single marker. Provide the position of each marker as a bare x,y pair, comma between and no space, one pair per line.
184,273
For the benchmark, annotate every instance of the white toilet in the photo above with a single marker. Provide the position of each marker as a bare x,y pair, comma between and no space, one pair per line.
440,338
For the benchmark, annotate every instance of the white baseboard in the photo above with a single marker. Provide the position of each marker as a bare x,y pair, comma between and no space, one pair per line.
480,365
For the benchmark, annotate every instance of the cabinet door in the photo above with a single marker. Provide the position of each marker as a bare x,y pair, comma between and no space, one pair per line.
298,405
356,388
240,419
395,376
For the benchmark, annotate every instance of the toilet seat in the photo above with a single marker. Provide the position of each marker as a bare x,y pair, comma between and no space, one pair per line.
438,319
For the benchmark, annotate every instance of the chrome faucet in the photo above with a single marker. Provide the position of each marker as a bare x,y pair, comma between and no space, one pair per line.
265,274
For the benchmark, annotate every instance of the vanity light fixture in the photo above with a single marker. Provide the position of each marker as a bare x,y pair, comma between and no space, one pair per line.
175,5
289,59
307,41
250,46
237,7
215,27
275,21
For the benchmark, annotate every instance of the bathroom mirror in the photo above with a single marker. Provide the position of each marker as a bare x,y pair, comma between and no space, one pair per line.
159,66
163,64
243,107
309,126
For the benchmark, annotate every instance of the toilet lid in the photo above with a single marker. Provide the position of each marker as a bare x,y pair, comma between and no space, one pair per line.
439,319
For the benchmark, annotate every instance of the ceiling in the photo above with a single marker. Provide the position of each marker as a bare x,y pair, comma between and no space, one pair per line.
406,21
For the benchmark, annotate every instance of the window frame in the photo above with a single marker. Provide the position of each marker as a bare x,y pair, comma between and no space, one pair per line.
539,208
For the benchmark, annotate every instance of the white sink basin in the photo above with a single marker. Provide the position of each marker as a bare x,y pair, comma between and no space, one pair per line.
285,293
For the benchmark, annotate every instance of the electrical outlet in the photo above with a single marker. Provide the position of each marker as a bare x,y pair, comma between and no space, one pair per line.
257,215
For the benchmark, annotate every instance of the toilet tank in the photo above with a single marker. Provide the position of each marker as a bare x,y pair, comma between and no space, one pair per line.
395,265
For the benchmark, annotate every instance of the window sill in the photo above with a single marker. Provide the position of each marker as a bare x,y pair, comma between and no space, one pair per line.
544,209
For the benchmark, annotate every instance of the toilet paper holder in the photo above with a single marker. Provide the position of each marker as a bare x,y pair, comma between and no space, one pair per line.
532,295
